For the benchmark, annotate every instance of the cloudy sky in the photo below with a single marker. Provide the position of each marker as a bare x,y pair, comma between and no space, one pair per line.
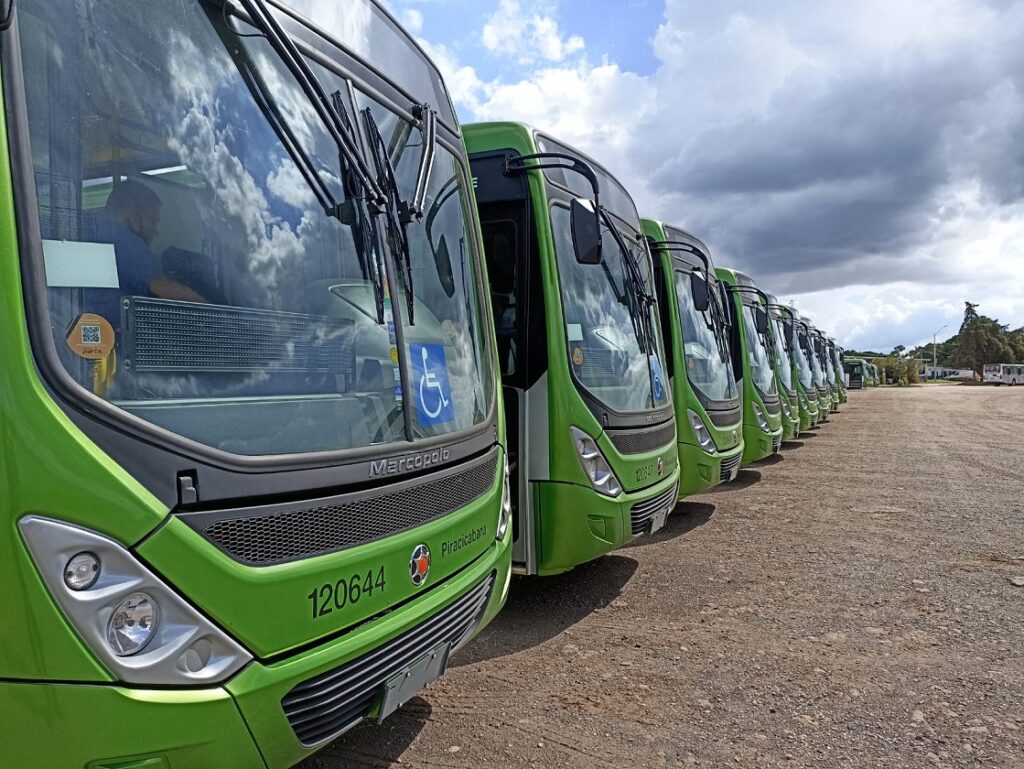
865,160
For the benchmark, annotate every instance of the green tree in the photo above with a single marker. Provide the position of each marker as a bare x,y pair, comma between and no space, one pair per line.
981,340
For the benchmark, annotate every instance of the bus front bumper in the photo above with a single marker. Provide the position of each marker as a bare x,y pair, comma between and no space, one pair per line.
758,445
241,724
700,470
575,524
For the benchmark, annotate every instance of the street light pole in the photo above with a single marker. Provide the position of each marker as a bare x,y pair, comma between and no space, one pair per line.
935,358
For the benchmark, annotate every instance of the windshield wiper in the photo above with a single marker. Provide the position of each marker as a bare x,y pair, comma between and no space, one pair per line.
396,227
641,298
364,229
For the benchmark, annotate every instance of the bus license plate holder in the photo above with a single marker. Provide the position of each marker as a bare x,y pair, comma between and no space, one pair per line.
402,687
659,518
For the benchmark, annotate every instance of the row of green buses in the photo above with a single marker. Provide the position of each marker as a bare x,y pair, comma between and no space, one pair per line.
297,372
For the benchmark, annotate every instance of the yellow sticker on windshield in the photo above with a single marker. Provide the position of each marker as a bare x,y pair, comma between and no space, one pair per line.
577,356
92,337
394,356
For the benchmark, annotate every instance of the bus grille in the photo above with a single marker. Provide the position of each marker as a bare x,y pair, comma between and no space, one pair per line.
642,512
642,441
728,465
298,531
336,700
776,444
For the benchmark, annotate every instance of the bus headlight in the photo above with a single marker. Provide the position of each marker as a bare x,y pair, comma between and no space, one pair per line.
505,514
762,420
701,433
132,624
785,408
135,624
598,471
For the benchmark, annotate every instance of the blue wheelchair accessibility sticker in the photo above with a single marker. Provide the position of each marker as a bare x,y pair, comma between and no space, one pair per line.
432,392
656,379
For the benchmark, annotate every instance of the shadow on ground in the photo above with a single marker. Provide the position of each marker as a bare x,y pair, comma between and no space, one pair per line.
793,444
370,745
744,479
685,518
539,608
774,459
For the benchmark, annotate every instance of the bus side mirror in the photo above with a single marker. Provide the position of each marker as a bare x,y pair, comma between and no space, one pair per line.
701,292
586,231
761,320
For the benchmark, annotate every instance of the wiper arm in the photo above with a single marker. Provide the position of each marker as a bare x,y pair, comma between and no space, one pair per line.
397,232
427,120
364,229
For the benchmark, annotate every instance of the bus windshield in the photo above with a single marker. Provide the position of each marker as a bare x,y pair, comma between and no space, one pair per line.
817,375
803,366
196,278
782,350
757,353
708,364
830,374
605,322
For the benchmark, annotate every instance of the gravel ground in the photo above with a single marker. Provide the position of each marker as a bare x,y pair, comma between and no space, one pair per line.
850,603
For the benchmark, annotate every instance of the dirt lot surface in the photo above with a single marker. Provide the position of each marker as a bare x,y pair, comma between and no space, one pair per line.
851,603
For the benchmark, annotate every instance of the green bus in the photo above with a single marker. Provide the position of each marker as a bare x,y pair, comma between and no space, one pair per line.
856,372
820,344
835,354
815,376
255,486
803,373
695,323
752,360
590,422
786,375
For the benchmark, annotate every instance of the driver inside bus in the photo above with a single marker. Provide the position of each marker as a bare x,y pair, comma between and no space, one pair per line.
131,222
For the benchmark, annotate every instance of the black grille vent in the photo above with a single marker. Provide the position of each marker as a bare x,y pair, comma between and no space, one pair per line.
776,444
644,440
642,512
728,465
772,405
164,335
345,521
794,402
334,701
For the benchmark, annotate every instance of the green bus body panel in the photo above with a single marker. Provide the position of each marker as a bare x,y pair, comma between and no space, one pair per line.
47,467
101,727
259,688
757,445
238,596
698,470
561,542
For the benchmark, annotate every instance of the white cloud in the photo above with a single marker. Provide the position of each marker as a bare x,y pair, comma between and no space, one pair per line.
528,36
860,159
412,19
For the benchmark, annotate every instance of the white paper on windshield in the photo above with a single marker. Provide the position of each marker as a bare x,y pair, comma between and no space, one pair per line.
70,264
574,331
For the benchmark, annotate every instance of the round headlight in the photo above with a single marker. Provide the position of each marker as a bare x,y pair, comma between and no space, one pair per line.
82,571
132,625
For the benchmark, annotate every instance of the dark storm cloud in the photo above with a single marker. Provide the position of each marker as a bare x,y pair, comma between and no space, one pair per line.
845,179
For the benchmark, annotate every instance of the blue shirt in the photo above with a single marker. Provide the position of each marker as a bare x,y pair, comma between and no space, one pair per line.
137,265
